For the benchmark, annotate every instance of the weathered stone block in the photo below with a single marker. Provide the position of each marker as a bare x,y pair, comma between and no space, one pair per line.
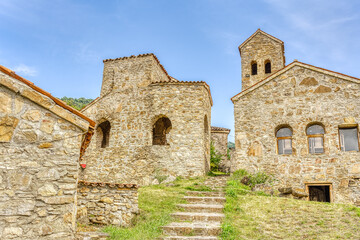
7,127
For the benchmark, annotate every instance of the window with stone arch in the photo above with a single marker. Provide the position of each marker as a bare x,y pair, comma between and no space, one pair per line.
161,129
254,68
267,66
315,133
103,134
284,140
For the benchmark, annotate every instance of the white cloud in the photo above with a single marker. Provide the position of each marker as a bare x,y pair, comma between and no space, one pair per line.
25,70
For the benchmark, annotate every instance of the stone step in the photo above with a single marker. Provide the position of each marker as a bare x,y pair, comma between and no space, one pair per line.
193,228
208,200
198,217
207,208
189,238
205,194
91,236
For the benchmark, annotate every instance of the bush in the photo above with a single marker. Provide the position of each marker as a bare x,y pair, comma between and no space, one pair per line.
215,158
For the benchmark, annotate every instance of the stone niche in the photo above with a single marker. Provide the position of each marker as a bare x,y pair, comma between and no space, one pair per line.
107,203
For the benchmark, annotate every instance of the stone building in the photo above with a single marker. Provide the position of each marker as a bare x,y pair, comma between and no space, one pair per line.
40,140
298,122
219,139
149,126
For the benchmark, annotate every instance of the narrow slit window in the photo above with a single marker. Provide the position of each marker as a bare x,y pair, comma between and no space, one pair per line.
315,135
254,68
268,67
349,139
284,141
104,133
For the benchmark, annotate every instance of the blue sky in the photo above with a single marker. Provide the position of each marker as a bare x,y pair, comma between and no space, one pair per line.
60,45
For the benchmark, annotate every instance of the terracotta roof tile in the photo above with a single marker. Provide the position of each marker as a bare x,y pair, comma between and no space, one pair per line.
215,129
56,100
284,69
142,55
112,185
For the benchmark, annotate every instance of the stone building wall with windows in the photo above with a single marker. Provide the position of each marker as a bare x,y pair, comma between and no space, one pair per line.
296,98
158,126
40,139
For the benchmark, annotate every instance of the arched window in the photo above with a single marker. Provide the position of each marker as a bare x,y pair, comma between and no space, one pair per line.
103,132
161,127
267,66
284,140
253,68
315,134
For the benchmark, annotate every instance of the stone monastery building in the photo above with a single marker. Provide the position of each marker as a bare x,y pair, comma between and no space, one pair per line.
298,122
148,125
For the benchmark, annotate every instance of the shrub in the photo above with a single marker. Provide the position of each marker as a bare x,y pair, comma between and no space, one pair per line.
215,158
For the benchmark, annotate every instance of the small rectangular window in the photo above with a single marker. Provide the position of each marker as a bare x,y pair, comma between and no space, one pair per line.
316,145
349,140
284,146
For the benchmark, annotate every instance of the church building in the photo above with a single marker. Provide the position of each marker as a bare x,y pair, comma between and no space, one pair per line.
297,122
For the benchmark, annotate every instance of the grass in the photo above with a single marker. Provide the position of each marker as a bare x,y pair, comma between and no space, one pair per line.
254,215
156,203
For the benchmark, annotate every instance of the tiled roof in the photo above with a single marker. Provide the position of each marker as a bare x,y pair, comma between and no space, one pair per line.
288,67
219,129
56,100
142,55
112,185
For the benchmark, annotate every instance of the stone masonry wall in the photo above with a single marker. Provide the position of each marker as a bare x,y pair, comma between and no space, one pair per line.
219,138
298,97
39,154
132,108
104,203
260,48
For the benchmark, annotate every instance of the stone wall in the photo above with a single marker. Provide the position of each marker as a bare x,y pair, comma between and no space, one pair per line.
219,138
141,94
108,204
260,48
298,96
39,153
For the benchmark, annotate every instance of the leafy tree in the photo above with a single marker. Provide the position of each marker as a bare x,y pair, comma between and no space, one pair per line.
77,103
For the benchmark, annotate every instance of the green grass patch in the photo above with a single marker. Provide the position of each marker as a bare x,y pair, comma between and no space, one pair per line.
255,215
156,203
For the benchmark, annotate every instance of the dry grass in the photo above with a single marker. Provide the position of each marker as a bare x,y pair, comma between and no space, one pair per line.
251,215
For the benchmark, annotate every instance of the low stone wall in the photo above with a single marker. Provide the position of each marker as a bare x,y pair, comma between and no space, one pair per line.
107,203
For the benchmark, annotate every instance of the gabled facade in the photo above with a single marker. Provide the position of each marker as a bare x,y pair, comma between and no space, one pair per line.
149,126
40,139
300,124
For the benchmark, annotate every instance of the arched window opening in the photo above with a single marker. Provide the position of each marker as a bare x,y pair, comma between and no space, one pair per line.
267,66
284,140
315,135
253,68
349,139
104,133
160,129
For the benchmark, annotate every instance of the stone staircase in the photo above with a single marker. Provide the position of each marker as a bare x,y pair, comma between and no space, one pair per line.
201,216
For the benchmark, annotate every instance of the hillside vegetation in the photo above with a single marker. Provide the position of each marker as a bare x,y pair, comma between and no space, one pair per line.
249,215
77,103
255,215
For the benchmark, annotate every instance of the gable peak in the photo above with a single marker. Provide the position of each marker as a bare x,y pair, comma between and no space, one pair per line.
259,31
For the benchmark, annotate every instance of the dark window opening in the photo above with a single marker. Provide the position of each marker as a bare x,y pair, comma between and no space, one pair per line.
254,68
349,140
105,133
160,129
319,193
268,67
